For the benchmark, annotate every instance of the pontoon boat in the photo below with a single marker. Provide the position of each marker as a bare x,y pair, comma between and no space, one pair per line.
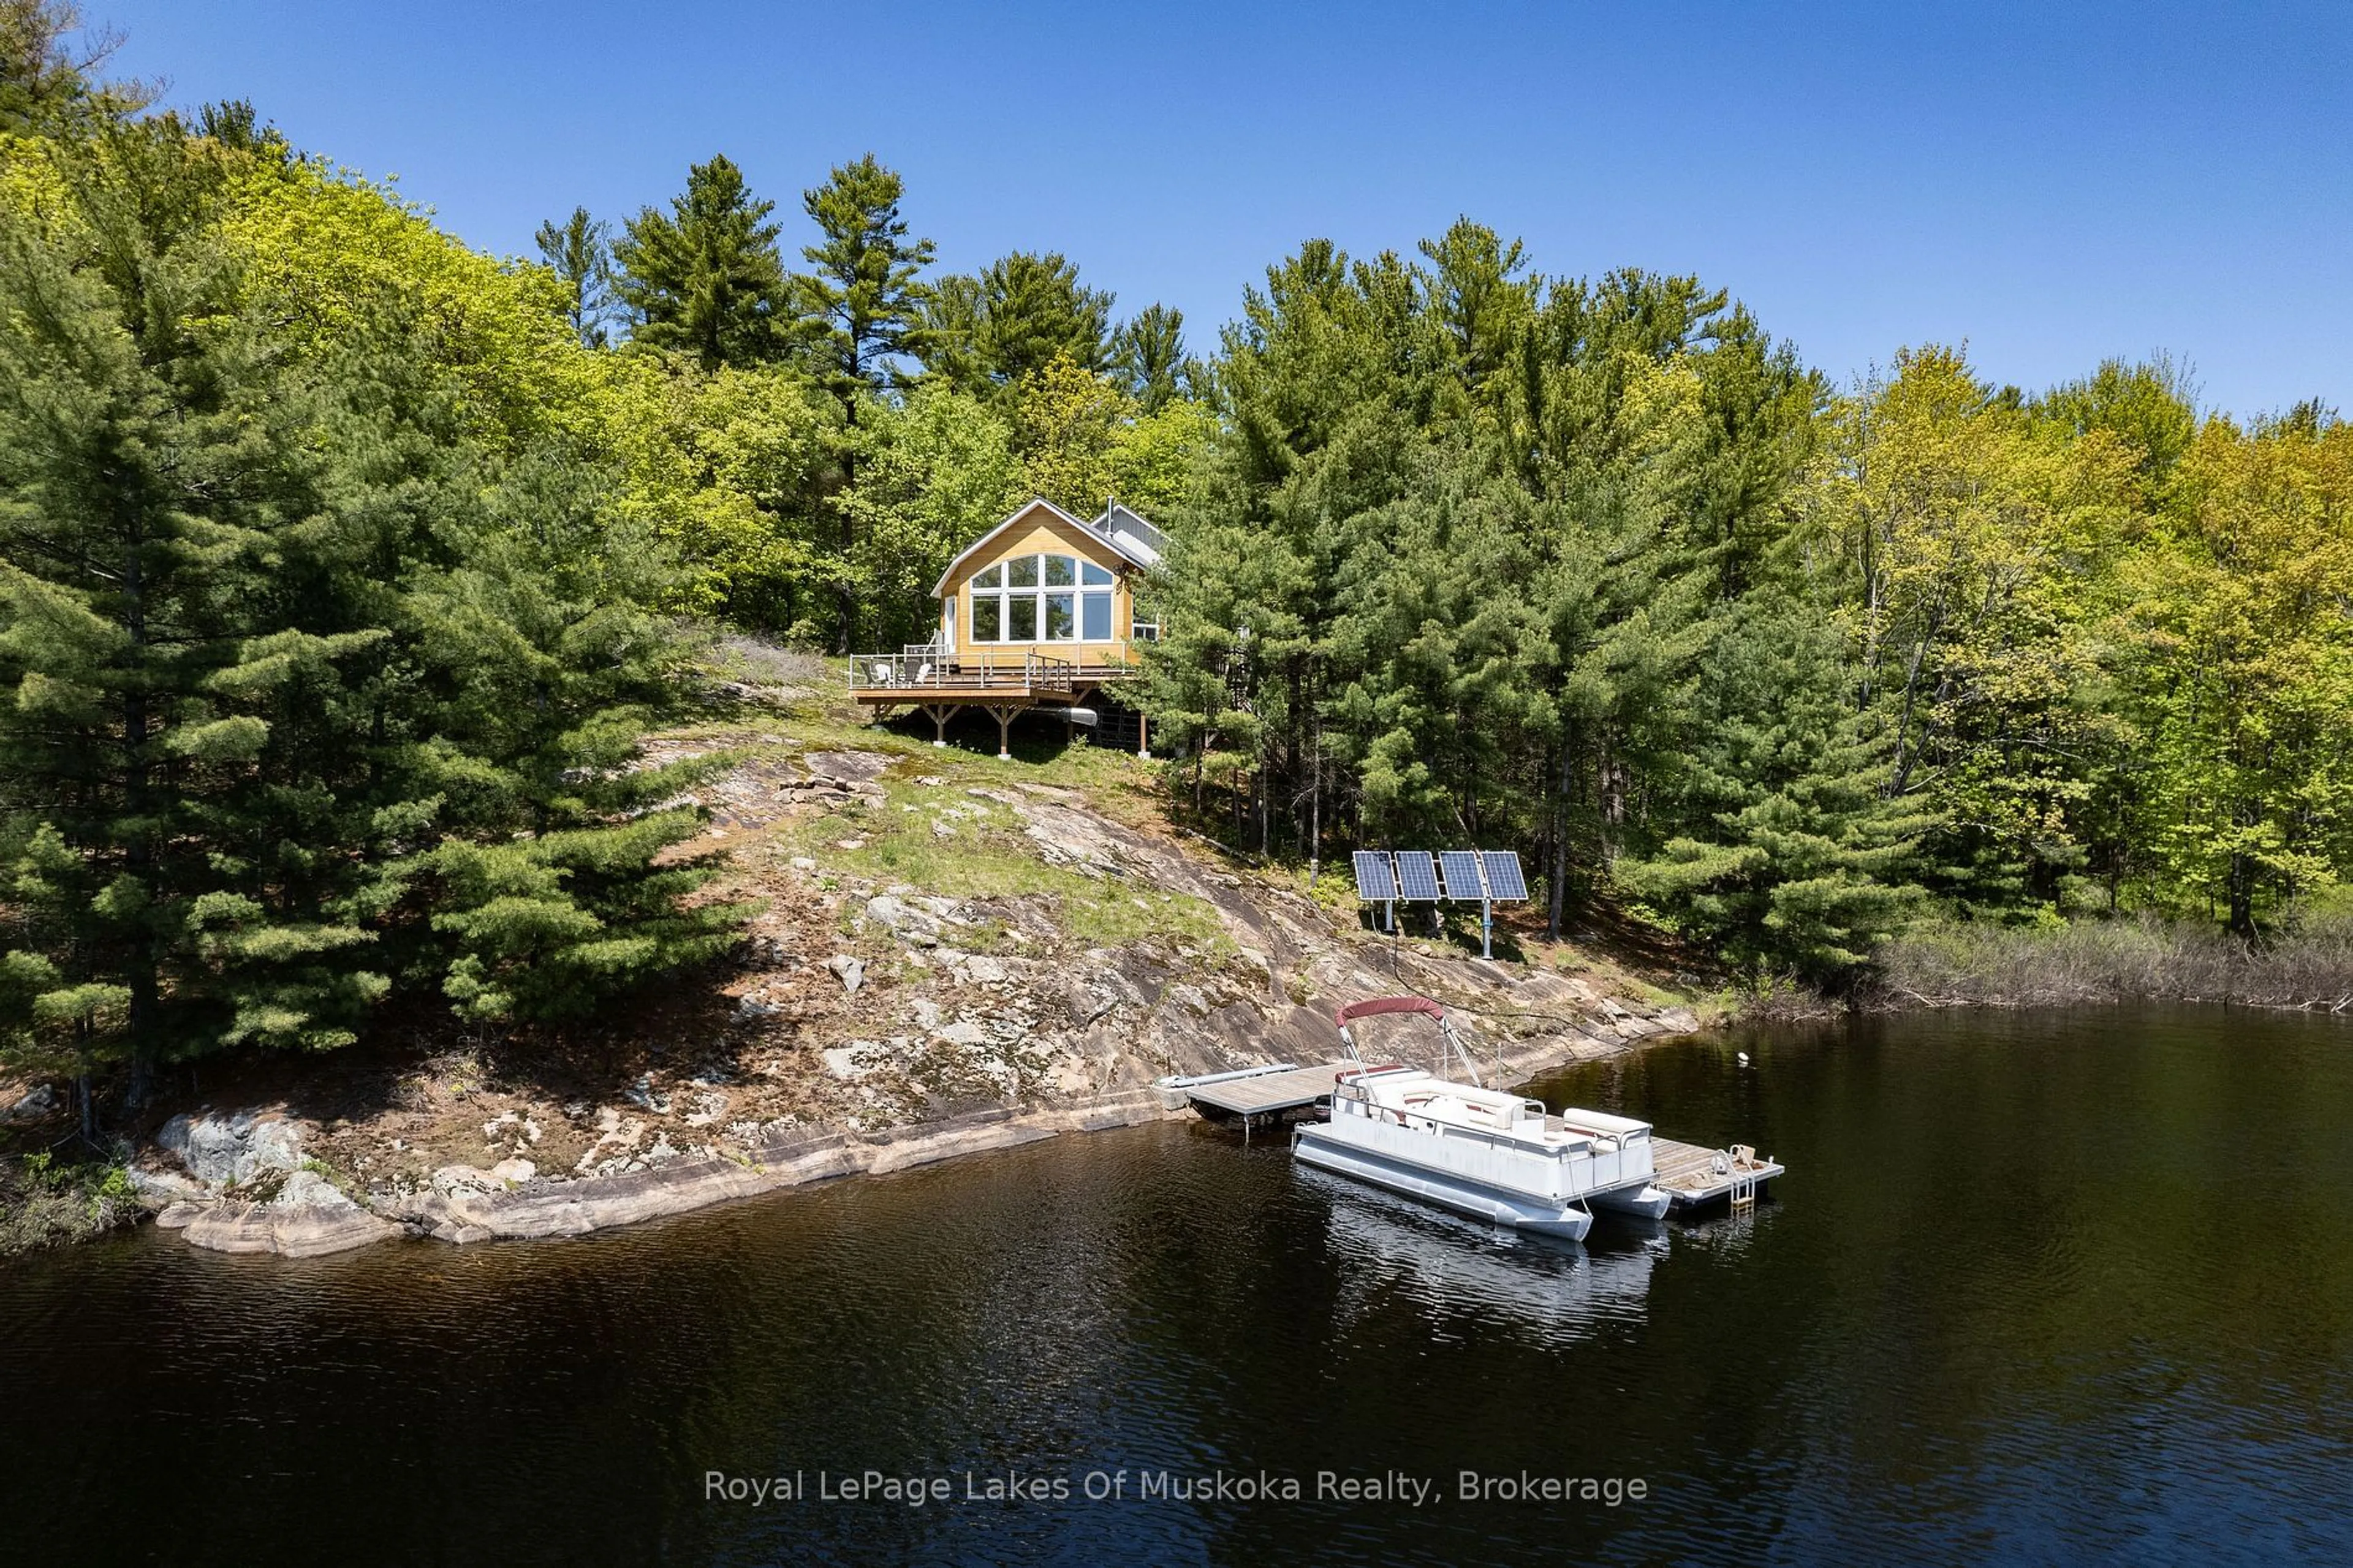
1478,1151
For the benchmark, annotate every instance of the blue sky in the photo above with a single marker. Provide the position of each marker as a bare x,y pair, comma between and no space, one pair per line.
2051,182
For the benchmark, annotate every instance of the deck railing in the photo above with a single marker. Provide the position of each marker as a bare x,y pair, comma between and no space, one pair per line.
1047,674
930,669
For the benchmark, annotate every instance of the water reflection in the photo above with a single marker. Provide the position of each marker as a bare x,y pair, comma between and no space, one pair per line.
1450,1267
2065,1288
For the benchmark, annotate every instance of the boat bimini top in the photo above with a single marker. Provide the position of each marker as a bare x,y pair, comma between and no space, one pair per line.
1379,1005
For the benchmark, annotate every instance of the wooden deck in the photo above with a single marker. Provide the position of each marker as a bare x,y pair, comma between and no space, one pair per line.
941,687
1264,1093
973,694
907,681
1688,1174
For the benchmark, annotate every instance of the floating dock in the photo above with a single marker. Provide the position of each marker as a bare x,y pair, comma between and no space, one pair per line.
1255,1093
1693,1177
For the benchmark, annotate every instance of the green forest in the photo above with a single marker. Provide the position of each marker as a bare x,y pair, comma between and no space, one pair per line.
342,567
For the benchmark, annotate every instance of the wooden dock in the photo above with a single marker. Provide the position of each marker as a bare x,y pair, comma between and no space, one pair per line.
1255,1095
1689,1174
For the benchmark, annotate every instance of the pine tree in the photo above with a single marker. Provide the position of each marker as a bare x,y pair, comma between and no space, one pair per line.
579,249
863,306
1798,857
866,292
310,690
1444,671
948,344
1020,314
1219,580
1036,312
559,882
1151,357
705,278
151,531
1478,301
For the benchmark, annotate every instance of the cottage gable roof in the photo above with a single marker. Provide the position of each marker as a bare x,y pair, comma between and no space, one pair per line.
1139,537
1119,532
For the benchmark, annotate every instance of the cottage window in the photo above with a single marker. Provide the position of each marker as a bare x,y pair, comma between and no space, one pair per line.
1041,598
1094,606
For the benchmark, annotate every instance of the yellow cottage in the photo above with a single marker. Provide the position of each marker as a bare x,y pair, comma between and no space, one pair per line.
1038,612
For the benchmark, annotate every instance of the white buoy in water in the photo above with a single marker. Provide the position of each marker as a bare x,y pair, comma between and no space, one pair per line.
1743,1055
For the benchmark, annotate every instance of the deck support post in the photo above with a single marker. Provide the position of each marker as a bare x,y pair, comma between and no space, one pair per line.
1142,737
1004,715
939,714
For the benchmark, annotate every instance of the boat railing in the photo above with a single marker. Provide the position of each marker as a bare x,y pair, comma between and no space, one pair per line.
1516,1139
1494,1138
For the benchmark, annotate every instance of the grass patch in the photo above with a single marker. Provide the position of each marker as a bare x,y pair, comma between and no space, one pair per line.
987,854
2115,960
1333,889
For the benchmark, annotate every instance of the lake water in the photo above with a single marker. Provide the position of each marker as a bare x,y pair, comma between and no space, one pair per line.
2038,1289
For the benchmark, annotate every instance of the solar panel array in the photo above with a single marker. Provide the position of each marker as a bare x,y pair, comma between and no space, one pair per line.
1417,877
1471,876
1504,880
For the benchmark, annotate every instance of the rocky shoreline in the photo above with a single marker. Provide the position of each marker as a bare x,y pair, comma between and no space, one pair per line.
1048,964
307,1216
